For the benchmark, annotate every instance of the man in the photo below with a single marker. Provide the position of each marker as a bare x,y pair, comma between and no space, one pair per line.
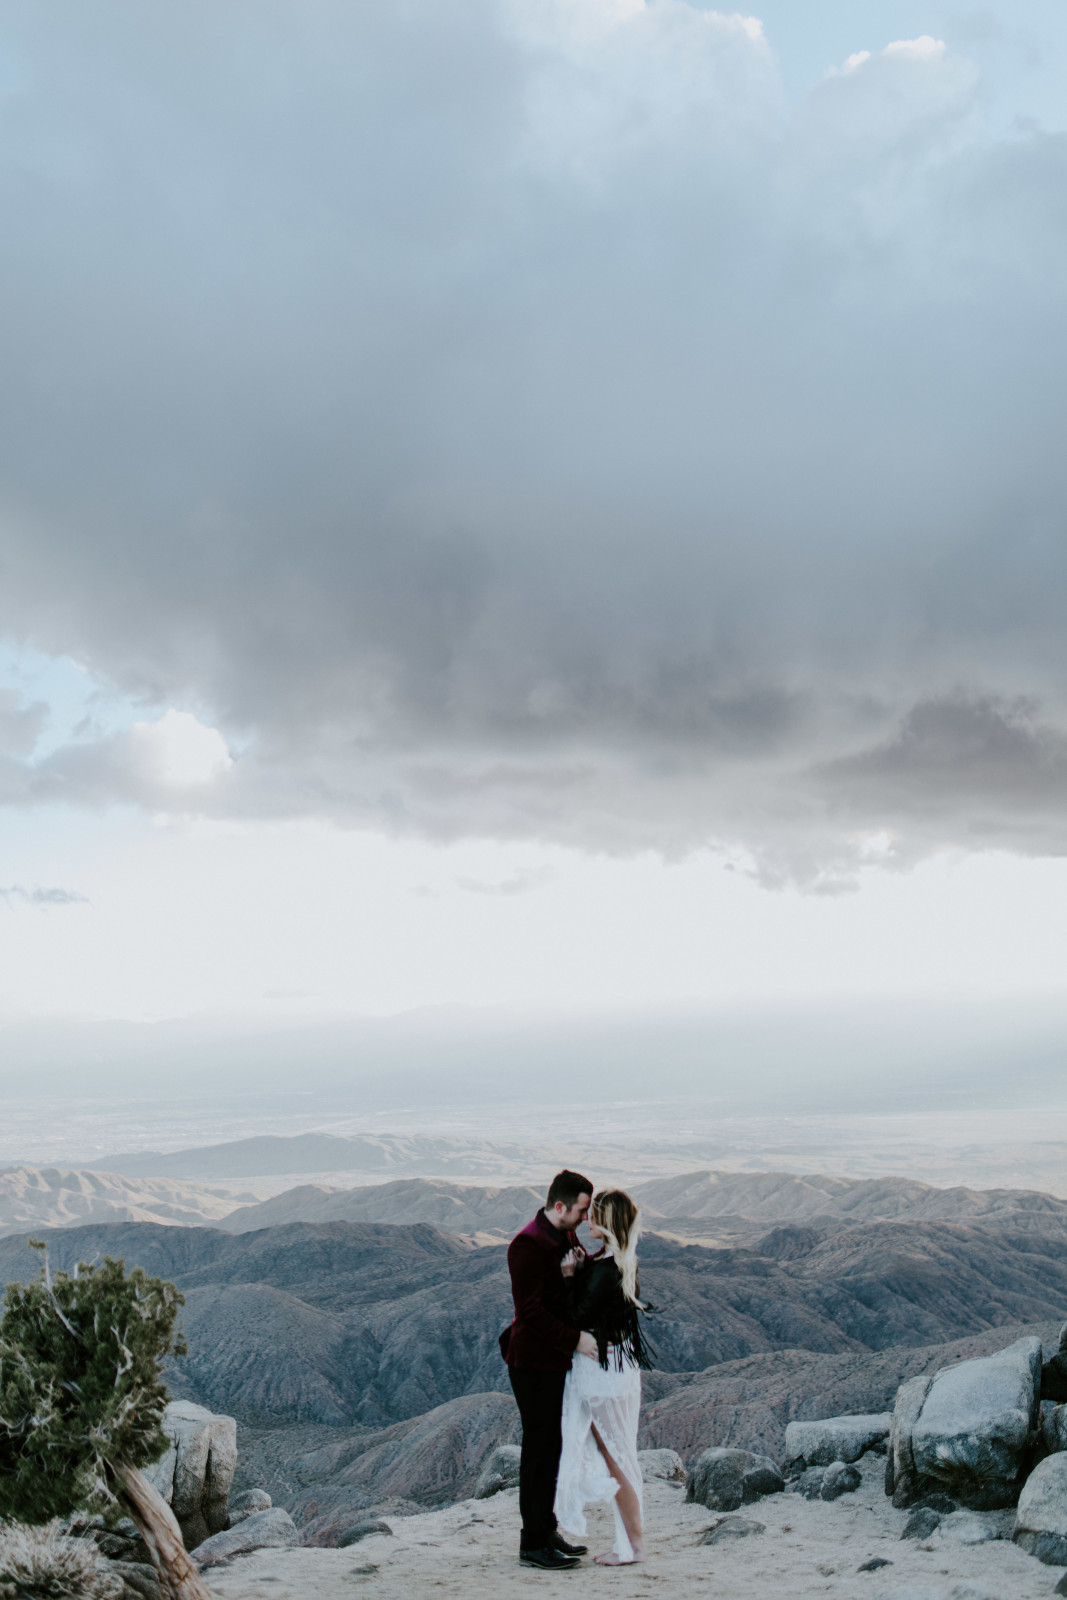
538,1347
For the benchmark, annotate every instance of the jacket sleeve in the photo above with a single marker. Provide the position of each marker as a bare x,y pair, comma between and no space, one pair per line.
528,1264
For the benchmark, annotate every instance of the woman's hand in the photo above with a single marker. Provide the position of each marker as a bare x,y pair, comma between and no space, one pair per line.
586,1346
569,1263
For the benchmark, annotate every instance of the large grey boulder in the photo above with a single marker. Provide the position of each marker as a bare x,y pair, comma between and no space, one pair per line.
969,1430
1041,1520
501,1471
665,1464
263,1530
724,1479
195,1475
818,1444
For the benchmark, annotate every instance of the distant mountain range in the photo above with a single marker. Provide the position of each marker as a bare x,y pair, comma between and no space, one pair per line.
60,1197
742,1205
275,1155
713,1208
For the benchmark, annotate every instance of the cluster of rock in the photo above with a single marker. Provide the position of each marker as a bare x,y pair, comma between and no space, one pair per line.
194,1477
983,1442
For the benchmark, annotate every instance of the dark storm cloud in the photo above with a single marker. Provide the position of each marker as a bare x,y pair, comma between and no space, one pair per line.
514,418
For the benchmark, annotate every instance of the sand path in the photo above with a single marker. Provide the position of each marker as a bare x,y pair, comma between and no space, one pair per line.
809,1548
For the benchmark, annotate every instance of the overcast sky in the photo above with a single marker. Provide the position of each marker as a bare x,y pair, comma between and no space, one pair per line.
541,502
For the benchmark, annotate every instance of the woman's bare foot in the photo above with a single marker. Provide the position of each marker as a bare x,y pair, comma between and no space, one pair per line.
611,1559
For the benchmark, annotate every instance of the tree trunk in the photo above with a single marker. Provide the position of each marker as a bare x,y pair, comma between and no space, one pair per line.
160,1531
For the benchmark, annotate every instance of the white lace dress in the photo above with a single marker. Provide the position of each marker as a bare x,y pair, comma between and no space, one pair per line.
611,1402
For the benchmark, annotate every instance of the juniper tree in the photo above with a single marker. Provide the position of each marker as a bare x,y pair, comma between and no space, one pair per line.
82,1401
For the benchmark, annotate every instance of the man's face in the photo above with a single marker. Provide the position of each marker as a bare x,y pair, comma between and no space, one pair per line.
571,1217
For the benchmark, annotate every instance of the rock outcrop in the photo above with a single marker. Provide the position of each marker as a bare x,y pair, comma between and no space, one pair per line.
723,1479
1041,1519
195,1475
970,1429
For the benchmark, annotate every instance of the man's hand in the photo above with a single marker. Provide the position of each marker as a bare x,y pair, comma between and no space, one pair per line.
570,1261
586,1345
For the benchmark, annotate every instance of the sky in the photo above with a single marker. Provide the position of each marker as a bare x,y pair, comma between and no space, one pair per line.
539,504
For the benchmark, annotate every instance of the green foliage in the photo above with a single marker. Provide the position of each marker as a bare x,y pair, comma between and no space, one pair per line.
80,1385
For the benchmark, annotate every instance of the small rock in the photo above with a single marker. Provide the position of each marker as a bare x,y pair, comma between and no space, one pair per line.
839,1478
263,1530
732,1528
1061,1587
501,1471
363,1530
809,1483
243,1505
921,1524
874,1564
366,1571
666,1464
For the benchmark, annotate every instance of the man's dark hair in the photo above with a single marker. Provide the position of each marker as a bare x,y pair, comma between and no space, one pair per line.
567,1186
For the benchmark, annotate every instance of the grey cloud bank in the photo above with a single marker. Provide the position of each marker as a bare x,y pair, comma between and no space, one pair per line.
521,419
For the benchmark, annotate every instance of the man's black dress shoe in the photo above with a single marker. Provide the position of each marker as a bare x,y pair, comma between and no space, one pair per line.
570,1549
547,1556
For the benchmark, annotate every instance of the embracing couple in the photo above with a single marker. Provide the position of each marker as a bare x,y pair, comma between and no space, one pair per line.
574,1353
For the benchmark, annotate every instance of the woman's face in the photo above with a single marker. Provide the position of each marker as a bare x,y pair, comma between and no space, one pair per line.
597,1232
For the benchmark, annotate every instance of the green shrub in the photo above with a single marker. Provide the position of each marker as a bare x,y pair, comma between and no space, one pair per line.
80,1385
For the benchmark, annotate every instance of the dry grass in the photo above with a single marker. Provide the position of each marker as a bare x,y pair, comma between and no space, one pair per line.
42,1564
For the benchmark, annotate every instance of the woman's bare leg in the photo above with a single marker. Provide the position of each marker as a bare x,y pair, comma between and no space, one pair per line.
629,1510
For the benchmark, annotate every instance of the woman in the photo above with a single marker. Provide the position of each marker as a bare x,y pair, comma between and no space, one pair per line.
602,1398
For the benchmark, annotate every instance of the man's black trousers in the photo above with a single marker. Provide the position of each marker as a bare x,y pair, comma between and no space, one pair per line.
540,1400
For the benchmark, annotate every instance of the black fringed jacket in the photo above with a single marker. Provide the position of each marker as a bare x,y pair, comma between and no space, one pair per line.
596,1302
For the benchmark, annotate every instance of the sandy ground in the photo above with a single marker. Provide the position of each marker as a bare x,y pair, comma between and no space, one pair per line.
808,1548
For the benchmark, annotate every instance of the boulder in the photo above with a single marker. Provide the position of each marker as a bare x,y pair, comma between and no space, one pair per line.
665,1464
501,1471
263,1530
732,1528
817,1444
968,1430
723,1479
839,1478
243,1505
1041,1519
195,1475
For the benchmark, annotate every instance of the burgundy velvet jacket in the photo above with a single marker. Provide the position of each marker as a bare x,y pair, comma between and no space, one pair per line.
540,1339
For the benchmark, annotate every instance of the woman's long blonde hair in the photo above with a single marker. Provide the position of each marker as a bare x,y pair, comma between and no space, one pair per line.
619,1221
